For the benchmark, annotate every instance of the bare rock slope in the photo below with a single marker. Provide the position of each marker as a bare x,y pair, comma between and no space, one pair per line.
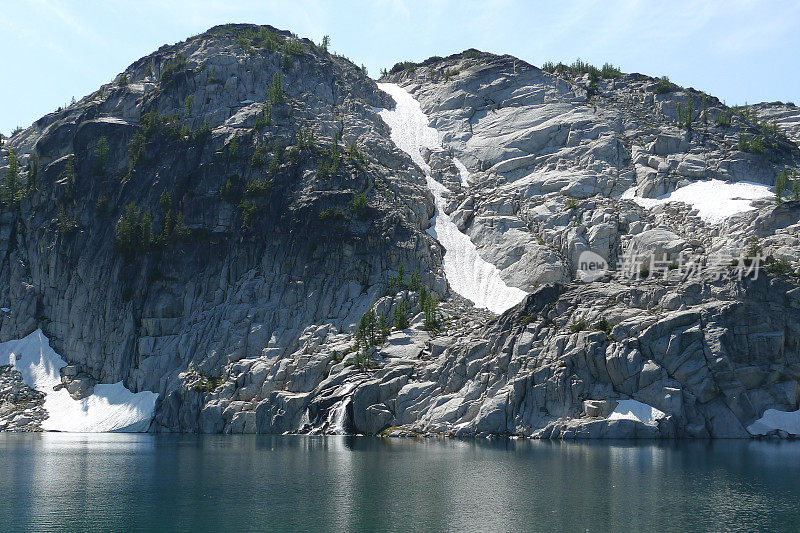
233,224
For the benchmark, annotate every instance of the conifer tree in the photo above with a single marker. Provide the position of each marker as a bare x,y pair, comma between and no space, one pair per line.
11,184
780,186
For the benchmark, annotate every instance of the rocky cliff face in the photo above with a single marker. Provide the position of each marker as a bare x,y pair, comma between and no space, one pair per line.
241,230
214,225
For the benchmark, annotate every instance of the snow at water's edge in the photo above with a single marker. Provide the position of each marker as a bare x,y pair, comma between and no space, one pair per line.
111,407
715,200
467,273
638,411
772,419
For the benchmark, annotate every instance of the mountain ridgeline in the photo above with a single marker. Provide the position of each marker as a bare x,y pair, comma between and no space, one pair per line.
248,226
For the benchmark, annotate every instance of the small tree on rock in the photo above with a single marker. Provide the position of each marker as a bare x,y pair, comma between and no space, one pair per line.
781,181
126,236
367,327
275,92
100,155
400,315
12,188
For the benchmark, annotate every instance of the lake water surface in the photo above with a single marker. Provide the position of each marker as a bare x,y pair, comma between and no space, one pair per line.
67,482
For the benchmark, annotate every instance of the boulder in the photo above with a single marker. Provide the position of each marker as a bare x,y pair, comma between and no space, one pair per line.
666,144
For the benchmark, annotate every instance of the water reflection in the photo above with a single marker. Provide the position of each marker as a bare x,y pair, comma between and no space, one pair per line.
205,483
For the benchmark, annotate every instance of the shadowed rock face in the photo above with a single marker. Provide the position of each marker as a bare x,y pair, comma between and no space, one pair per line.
239,304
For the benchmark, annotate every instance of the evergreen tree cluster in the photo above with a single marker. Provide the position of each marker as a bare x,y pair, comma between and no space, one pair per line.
134,232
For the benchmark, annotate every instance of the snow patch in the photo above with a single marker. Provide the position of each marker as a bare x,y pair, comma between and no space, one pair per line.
468,274
463,173
638,411
715,200
111,407
772,419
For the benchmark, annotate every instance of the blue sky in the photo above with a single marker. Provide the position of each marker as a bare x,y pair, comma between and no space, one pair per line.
739,50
